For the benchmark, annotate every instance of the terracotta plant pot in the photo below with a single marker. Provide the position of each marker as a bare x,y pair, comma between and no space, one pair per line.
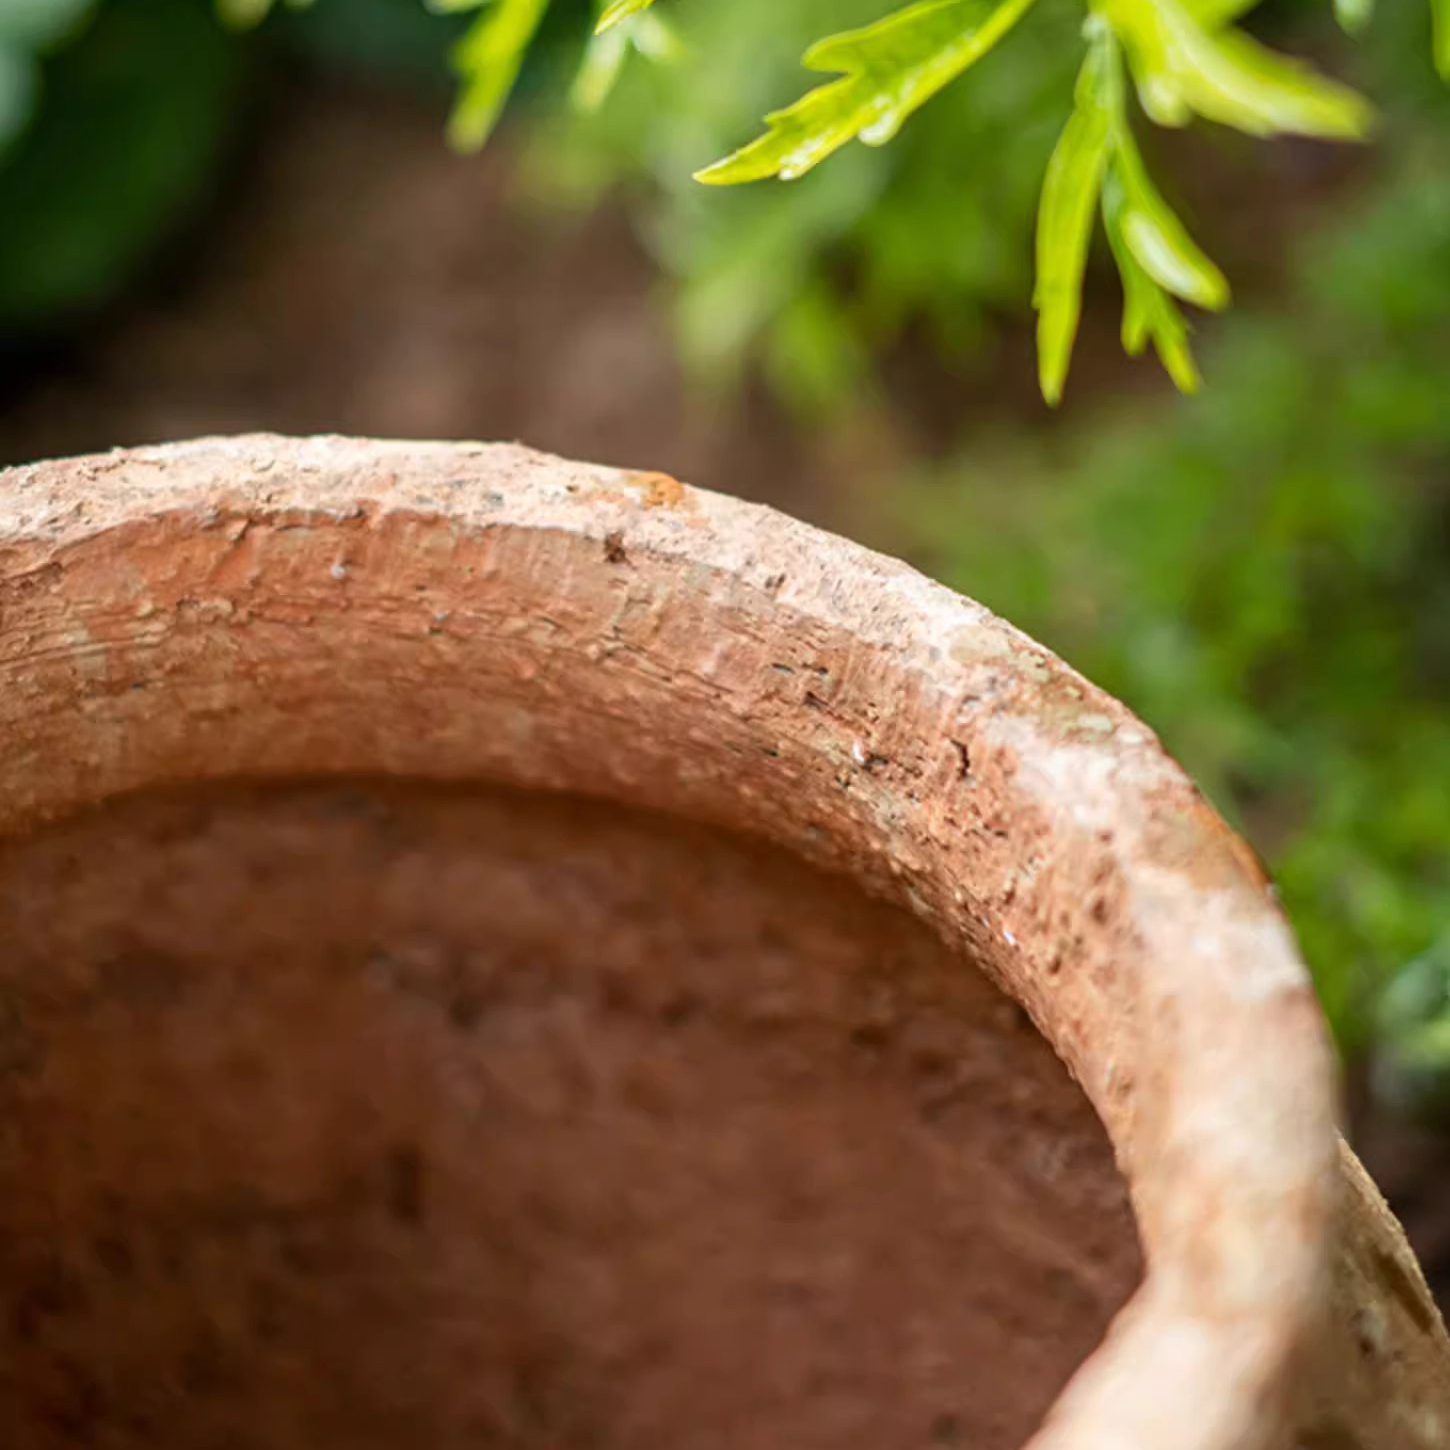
501,952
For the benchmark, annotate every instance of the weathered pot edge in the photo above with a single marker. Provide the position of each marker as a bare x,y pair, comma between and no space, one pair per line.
1280,1292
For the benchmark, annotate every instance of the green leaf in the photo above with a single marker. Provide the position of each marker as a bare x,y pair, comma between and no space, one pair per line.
604,58
1155,255
1156,238
887,71
1064,225
1148,311
1440,13
1183,68
488,58
607,50
1353,15
618,10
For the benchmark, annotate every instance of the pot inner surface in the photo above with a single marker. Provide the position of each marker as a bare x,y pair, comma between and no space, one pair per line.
362,1116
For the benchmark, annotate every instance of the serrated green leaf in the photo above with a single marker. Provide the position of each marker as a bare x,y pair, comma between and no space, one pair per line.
1148,311
488,59
1157,239
1064,225
888,70
618,10
1440,14
1353,15
1182,67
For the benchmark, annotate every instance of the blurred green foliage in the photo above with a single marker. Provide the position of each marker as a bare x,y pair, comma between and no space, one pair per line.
1411,1070
138,98
1185,59
29,29
933,230
1264,574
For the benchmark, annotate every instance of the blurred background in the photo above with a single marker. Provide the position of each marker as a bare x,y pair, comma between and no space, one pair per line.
208,230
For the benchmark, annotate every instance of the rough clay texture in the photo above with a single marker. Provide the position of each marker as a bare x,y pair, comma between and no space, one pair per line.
375,1117
257,607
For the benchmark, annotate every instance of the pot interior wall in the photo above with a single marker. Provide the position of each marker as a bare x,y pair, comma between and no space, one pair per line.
353,1116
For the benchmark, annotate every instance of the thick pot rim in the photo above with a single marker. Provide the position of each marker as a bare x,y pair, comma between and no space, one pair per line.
267,605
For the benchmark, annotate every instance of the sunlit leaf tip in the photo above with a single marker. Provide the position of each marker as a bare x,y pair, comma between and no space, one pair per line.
1097,162
1065,213
618,10
1353,15
599,70
1152,232
1183,67
607,50
1440,14
886,71
1149,312
488,59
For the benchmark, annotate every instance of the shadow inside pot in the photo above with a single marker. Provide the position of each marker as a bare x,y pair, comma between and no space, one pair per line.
379,1114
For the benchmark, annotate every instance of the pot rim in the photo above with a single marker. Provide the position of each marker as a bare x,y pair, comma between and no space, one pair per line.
957,766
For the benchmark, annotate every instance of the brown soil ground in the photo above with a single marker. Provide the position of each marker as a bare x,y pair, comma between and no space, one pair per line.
361,279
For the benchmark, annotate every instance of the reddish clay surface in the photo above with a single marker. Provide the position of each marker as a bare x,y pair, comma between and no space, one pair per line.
472,1151
361,1116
